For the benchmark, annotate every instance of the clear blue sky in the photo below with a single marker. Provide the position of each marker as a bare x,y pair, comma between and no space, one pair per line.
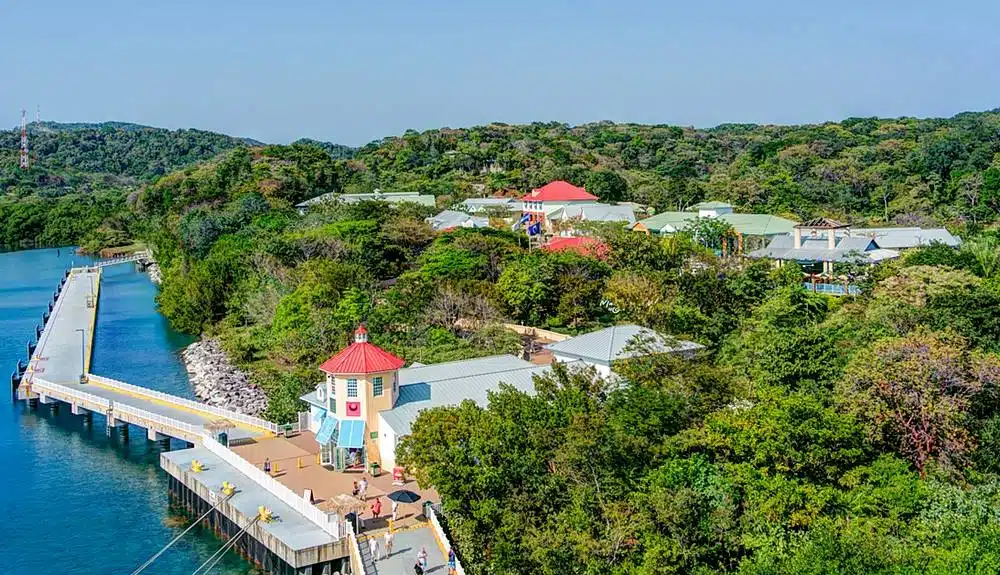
352,71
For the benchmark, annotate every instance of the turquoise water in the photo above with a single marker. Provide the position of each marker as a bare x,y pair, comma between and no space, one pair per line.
73,501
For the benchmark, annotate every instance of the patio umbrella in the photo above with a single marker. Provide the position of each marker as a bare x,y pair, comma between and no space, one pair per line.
404,496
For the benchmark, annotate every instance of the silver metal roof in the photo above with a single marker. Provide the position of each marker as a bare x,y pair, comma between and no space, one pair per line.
848,248
594,212
609,344
903,238
391,197
452,219
462,368
474,381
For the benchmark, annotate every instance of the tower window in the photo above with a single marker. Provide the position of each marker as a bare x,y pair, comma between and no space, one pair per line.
377,386
352,388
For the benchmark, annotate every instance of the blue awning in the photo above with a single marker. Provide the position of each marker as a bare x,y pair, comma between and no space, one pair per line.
326,430
352,433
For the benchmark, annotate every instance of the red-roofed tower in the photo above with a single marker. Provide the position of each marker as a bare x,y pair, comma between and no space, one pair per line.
361,380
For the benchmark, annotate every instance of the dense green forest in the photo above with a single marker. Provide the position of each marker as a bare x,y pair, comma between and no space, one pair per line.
813,435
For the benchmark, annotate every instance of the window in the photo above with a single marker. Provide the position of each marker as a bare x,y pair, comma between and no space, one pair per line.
377,386
395,383
333,387
352,388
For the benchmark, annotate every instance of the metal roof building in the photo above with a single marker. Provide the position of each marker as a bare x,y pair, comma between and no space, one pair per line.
602,347
905,238
594,212
451,219
377,196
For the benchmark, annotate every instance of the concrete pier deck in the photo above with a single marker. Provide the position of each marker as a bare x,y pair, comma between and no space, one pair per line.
292,537
63,354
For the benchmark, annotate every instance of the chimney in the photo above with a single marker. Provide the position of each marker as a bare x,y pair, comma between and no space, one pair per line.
798,238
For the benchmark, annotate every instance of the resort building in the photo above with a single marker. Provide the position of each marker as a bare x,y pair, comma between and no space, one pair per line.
906,238
481,205
749,231
603,347
583,245
450,219
562,220
376,196
551,197
368,401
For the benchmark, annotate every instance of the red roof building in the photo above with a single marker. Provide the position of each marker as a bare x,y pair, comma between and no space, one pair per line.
584,246
361,357
559,191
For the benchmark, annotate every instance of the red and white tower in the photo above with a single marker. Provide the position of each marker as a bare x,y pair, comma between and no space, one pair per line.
24,140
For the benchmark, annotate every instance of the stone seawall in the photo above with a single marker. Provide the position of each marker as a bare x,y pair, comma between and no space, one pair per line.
217,382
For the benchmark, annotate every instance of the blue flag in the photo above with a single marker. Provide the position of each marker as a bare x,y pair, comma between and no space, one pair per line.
520,222
535,229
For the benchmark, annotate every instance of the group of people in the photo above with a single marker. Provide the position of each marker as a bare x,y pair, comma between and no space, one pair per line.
360,491
419,567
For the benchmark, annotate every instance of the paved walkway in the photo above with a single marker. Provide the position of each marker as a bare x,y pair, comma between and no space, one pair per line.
405,547
57,358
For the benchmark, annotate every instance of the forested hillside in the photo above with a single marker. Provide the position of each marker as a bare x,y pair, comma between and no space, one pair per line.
82,174
813,435
884,170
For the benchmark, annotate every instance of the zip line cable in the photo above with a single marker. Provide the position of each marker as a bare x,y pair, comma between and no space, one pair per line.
149,561
218,555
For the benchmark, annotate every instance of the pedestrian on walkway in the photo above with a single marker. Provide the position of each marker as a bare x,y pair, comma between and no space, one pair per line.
417,569
373,547
267,465
363,489
388,543
395,509
376,508
452,568
422,558
354,489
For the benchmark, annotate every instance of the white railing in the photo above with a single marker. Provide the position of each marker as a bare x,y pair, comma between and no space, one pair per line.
196,405
143,418
327,522
357,563
54,389
443,538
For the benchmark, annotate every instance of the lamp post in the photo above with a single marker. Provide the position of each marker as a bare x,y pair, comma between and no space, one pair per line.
83,352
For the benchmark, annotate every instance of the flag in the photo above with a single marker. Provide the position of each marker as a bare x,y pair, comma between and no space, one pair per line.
519,222
535,229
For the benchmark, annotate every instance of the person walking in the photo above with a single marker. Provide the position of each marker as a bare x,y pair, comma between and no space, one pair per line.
395,509
417,569
267,465
422,558
363,489
452,561
388,543
354,489
376,508
373,548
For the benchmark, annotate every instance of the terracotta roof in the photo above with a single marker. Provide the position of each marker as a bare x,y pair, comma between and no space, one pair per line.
361,357
559,191
581,245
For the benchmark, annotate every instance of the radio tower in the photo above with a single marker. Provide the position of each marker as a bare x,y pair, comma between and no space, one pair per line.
24,140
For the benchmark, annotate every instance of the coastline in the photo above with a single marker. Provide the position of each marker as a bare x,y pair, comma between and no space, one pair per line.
218,382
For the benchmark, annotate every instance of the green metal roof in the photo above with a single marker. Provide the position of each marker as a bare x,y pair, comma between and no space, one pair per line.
709,206
745,224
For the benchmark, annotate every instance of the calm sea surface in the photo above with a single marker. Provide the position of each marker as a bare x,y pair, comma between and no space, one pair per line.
73,501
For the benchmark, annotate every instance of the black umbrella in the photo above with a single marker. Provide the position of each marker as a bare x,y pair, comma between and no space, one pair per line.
404,496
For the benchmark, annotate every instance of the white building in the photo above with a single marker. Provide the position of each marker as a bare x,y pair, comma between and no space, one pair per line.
602,347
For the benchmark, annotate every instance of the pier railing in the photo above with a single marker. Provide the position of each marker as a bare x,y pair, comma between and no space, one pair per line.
443,537
150,420
198,406
354,551
327,522
61,392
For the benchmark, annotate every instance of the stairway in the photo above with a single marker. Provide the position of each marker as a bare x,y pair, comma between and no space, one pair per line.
367,561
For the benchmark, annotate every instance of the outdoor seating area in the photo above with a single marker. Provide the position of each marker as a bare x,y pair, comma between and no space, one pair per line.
294,462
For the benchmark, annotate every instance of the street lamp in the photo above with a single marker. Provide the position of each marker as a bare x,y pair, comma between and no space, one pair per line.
83,352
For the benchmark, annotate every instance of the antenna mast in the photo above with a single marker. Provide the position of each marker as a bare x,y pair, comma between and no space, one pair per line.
38,114
24,140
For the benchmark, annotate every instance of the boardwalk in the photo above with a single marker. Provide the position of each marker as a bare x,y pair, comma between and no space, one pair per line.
63,354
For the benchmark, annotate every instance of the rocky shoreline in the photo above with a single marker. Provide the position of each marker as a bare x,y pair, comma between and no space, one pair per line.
217,382
153,269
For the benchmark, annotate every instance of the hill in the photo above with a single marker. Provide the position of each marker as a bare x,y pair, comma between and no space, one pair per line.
899,170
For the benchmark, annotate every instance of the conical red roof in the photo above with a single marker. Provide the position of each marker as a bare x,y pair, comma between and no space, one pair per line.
361,357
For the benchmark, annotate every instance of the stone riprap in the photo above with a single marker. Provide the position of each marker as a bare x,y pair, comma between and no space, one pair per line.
217,382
